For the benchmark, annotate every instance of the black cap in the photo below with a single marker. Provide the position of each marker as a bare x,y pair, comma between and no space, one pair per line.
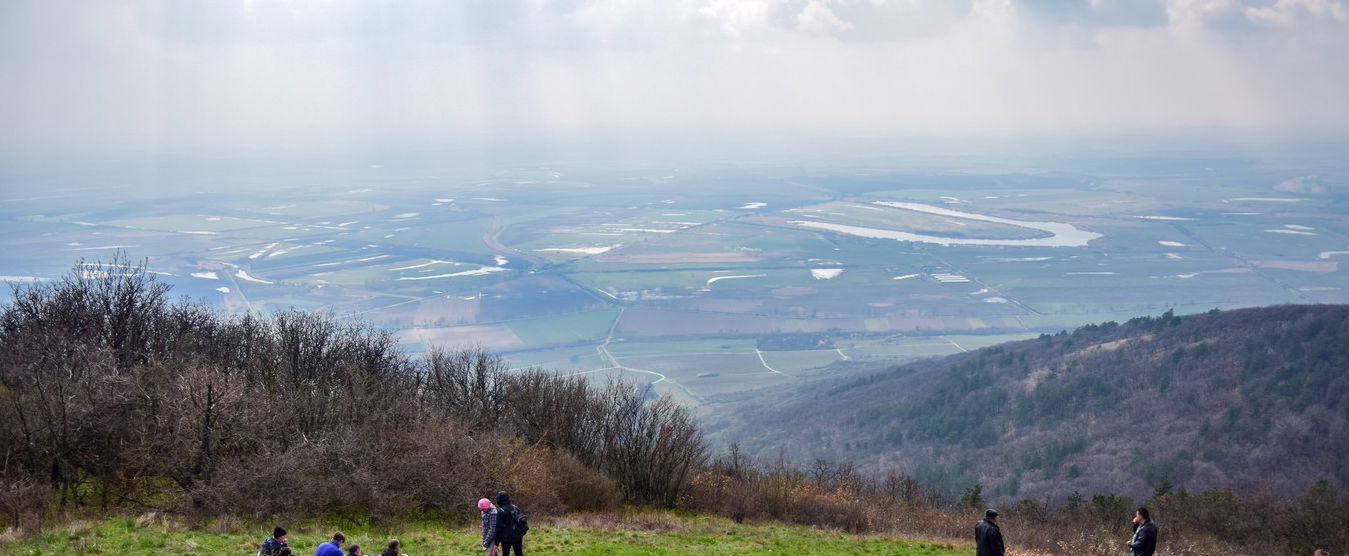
990,513
278,532
503,499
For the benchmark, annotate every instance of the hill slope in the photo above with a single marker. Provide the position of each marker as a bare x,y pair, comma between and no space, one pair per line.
1244,398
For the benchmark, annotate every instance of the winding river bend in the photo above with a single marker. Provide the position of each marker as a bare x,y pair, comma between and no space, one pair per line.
1061,234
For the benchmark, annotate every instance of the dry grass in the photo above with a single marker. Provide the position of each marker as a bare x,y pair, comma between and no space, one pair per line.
225,524
622,521
147,519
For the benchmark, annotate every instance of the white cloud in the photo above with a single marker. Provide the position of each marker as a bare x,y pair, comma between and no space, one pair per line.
817,18
273,74
735,18
1191,13
1288,12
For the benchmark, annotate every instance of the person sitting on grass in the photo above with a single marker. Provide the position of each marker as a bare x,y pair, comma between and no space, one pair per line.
354,550
273,545
489,526
332,547
394,546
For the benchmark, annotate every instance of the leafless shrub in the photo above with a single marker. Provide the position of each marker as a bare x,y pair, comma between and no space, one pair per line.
23,502
652,448
580,488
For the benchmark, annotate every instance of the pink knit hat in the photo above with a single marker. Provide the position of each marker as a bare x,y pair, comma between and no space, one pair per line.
484,504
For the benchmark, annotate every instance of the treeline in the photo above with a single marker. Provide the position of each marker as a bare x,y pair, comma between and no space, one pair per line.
114,395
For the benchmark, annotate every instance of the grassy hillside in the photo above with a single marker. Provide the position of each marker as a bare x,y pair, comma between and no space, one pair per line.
643,533
1252,397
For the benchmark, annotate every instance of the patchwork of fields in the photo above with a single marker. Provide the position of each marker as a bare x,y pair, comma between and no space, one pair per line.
711,283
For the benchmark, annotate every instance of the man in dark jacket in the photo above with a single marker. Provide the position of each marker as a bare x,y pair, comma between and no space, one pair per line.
273,545
511,526
1144,542
987,536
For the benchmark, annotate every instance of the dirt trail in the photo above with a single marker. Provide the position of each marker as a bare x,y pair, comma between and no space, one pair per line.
603,349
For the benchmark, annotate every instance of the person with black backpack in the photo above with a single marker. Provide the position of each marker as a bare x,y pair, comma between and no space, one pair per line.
512,524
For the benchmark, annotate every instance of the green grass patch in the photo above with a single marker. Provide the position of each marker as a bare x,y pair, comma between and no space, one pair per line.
682,347
561,329
565,360
637,533
801,360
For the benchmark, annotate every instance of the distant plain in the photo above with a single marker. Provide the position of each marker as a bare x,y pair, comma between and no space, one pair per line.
715,281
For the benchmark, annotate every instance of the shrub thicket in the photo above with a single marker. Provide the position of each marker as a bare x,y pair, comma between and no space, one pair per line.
114,395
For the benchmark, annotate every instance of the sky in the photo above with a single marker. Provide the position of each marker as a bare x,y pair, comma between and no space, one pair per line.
185,76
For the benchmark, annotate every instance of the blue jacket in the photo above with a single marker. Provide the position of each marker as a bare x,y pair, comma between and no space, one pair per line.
329,548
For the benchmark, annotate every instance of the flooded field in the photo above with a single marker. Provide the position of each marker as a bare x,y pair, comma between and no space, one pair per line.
724,280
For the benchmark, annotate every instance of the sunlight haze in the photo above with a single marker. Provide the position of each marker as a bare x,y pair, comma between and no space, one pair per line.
306,75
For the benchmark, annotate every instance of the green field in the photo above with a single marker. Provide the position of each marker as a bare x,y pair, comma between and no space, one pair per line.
564,360
635,533
681,347
804,360
560,329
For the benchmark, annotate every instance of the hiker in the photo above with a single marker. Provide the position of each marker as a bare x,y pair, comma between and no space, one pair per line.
512,524
489,526
392,550
273,545
354,550
987,536
1144,542
332,547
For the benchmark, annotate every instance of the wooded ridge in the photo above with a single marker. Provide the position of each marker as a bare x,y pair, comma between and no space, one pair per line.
1250,398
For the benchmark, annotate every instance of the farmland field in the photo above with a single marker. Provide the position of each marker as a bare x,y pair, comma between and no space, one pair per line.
720,279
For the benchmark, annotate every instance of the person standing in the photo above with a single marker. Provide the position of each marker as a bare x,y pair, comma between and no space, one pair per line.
987,535
332,547
1144,542
489,526
511,526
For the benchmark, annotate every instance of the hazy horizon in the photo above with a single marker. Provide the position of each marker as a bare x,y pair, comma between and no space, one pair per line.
264,76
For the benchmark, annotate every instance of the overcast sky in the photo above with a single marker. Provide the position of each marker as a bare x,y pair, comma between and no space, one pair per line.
185,75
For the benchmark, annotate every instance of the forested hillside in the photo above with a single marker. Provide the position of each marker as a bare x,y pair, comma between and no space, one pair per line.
1252,398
